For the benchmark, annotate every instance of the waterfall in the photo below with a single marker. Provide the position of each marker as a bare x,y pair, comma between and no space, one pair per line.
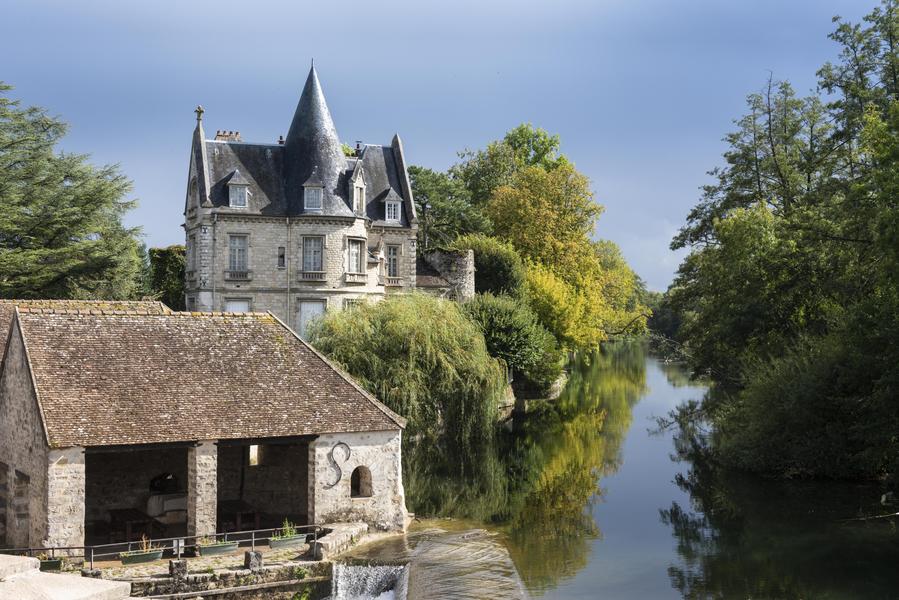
368,582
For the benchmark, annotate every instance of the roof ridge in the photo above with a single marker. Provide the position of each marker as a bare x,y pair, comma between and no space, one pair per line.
43,310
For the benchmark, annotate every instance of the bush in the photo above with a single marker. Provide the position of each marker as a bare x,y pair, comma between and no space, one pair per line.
427,361
513,334
498,267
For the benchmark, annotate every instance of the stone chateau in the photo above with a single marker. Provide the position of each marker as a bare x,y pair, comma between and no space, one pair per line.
303,225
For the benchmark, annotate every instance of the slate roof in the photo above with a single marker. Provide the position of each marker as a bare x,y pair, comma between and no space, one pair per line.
117,378
312,151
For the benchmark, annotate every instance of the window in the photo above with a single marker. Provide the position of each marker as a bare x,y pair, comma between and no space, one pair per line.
393,211
191,304
312,198
309,311
393,261
357,254
282,257
237,252
351,302
253,455
359,199
237,305
237,195
312,254
360,483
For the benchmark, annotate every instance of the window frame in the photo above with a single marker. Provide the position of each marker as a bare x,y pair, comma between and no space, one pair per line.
282,257
359,198
321,253
232,189
392,260
316,191
392,204
360,243
232,263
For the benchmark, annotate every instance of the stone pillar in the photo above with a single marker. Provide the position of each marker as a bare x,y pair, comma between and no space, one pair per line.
65,497
202,488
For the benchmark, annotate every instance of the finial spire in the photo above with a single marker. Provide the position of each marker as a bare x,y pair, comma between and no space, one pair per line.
199,110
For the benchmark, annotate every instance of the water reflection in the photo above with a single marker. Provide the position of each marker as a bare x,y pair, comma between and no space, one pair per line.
746,537
544,476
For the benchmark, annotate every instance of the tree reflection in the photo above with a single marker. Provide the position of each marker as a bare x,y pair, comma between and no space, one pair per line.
544,477
746,537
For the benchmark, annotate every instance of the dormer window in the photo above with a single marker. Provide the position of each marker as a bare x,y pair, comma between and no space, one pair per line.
392,208
312,198
237,196
359,198
238,190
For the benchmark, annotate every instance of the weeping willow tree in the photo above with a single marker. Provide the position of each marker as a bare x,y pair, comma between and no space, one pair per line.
424,359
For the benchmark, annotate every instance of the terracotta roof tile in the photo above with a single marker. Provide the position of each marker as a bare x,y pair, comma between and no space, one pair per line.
108,377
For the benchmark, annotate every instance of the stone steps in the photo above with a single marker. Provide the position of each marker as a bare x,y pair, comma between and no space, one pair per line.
21,578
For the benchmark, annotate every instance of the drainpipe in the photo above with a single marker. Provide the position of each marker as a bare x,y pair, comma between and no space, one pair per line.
287,251
215,217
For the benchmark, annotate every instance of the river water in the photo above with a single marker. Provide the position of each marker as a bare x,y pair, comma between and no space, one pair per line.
595,501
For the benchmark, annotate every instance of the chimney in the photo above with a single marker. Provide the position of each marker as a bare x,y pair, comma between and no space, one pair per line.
227,136
281,140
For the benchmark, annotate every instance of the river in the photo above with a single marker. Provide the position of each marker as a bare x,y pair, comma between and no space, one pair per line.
597,502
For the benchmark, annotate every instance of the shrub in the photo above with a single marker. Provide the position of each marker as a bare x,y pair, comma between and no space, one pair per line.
513,334
498,267
427,361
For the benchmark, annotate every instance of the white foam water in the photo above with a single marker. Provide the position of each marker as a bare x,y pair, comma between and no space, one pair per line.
368,582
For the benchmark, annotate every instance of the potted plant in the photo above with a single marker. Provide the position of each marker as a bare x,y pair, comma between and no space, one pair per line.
49,563
211,546
288,536
146,553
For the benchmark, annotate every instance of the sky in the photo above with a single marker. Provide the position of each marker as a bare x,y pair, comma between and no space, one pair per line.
641,92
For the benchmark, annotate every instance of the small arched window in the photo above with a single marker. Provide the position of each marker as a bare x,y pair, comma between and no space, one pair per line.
360,483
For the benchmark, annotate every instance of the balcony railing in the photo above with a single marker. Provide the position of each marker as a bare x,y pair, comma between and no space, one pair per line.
238,275
357,278
392,281
190,275
312,275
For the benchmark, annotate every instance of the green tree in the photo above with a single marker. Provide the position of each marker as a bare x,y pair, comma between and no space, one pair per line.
444,209
61,232
484,171
426,360
789,295
167,275
498,267
513,334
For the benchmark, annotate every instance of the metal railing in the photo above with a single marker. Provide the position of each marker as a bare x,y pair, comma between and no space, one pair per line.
243,275
172,546
312,275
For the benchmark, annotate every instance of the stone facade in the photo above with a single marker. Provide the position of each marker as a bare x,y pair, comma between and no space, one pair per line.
202,488
332,461
277,485
24,454
65,497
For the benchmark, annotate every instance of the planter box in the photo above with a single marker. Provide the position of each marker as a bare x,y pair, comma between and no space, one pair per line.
141,557
51,564
287,541
215,549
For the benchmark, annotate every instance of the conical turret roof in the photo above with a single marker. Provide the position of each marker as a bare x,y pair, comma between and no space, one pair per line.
312,151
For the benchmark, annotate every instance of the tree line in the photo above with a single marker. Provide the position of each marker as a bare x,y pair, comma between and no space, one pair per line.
789,297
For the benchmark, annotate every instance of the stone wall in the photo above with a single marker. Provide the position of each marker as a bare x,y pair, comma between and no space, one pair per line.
332,459
277,486
65,497
202,488
122,479
458,269
23,451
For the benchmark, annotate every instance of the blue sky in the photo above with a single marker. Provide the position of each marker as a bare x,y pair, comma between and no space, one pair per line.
640,91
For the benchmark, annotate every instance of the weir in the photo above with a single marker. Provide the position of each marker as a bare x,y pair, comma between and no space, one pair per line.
369,582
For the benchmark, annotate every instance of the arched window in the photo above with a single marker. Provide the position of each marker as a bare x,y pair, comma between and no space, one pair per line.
360,483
